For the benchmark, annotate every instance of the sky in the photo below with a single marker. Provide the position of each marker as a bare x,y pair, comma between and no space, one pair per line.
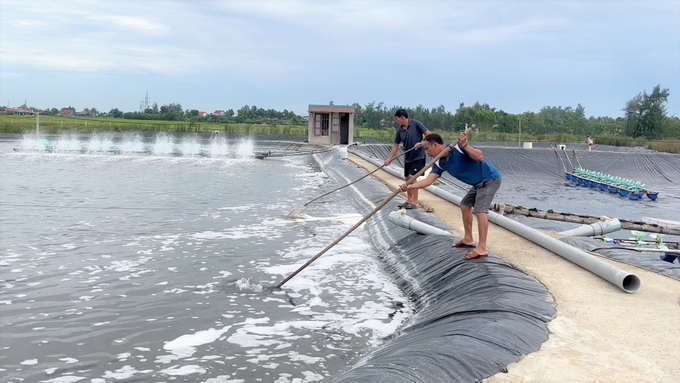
516,56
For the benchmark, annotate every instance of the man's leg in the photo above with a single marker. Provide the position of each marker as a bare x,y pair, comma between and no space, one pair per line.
415,167
413,197
466,211
483,229
411,192
468,239
407,177
485,195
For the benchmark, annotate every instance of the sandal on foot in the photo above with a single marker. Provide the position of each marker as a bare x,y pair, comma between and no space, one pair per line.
462,244
410,206
474,255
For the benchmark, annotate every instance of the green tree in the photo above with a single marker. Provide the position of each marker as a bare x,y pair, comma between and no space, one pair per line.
172,112
115,113
645,114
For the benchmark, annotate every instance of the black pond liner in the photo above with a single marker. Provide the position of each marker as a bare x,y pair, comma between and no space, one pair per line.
471,319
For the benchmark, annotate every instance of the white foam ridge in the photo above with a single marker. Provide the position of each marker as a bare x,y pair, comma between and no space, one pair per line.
164,145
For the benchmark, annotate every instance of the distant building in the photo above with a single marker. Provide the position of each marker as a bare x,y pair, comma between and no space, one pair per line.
202,114
19,111
219,113
67,112
330,124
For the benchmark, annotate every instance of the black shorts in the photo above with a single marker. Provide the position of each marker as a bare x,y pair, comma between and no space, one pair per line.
413,167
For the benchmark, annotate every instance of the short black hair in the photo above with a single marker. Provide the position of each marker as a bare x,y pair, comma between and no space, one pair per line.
434,139
401,113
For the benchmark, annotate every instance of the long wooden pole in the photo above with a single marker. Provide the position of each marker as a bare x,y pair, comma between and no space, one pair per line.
369,215
296,212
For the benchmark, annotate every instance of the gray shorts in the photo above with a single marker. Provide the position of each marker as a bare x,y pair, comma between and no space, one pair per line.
481,196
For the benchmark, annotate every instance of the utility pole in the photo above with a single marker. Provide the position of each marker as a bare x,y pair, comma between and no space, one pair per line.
37,123
520,133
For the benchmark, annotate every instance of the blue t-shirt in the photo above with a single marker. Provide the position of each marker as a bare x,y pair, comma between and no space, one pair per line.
460,165
410,137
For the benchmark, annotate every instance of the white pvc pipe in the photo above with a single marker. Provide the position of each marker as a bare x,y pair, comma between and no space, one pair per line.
597,228
624,280
403,220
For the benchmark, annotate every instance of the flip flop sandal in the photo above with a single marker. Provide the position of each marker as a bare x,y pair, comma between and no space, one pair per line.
410,206
477,255
463,245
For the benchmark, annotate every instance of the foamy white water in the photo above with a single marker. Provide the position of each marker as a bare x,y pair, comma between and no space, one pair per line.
159,268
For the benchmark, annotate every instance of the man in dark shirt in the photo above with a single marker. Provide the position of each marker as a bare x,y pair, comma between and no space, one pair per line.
468,165
410,133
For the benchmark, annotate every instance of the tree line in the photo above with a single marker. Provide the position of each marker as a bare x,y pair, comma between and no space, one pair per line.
644,116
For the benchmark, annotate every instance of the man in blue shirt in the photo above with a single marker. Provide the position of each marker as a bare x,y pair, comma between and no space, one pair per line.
410,133
466,164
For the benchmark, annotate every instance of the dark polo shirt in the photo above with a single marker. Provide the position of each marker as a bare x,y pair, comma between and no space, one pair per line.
410,137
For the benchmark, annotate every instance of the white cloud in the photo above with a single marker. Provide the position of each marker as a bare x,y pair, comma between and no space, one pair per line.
11,74
256,38
128,22
272,46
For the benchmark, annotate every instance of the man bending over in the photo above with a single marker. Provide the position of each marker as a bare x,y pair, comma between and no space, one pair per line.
466,164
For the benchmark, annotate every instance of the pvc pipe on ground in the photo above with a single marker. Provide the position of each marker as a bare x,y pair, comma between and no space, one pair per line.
400,219
597,228
624,280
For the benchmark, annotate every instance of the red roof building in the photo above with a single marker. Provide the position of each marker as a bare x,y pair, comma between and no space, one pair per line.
19,111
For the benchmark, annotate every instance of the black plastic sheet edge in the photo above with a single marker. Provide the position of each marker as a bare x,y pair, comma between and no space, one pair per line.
472,318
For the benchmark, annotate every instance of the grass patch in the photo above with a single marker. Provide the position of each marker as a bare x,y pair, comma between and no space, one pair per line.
667,146
59,125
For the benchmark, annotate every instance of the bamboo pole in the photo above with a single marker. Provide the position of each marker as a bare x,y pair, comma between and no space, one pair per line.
369,215
583,219
298,211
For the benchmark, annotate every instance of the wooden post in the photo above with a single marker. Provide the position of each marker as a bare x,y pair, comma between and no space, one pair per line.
520,133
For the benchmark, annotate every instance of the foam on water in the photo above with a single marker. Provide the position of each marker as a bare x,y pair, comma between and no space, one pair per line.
30,143
184,279
68,145
245,148
244,285
164,145
218,147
